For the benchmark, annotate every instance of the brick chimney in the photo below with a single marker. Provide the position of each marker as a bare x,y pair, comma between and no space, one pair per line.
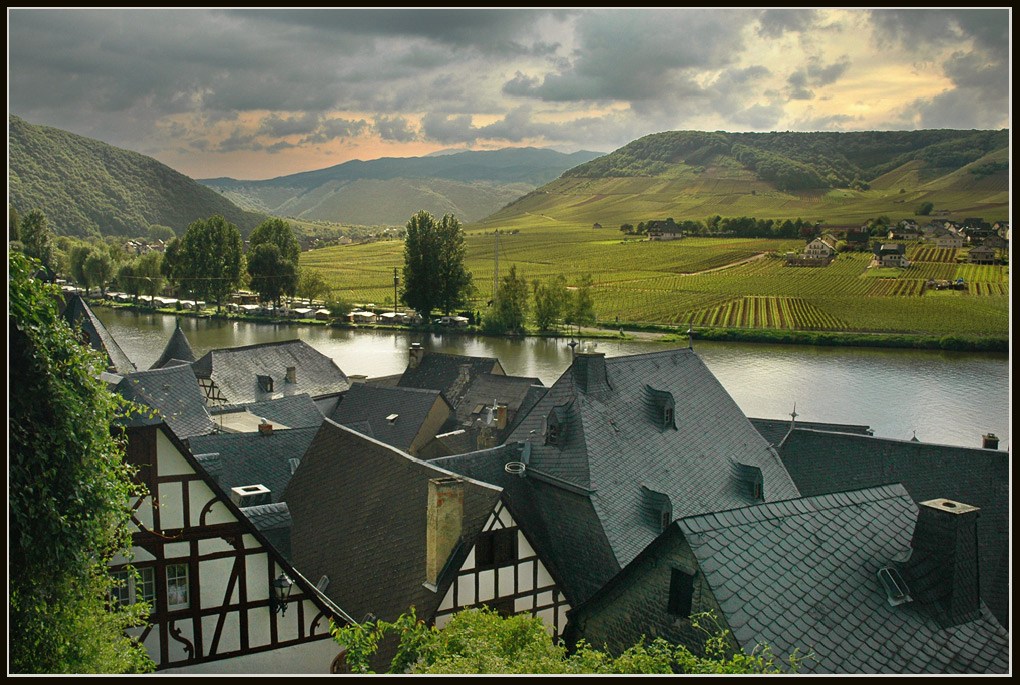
445,518
292,374
417,353
946,535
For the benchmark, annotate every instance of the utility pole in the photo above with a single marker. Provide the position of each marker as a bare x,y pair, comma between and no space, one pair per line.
495,273
396,280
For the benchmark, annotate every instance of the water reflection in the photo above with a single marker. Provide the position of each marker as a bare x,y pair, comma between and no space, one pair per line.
946,397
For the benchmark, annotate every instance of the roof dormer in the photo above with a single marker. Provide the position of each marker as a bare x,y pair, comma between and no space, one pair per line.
749,481
660,407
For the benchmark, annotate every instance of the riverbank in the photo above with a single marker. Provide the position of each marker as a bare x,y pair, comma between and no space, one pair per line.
638,333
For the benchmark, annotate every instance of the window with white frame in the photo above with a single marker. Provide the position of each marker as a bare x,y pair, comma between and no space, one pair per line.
134,586
177,586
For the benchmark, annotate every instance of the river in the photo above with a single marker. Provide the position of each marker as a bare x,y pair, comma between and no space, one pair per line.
950,398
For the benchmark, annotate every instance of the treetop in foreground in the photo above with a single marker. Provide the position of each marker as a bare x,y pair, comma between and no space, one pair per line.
481,641
68,496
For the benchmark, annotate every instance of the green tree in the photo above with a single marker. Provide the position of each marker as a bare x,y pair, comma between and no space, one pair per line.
208,262
172,266
312,285
13,223
128,281
36,238
149,272
98,269
482,641
550,301
160,232
278,232
273,260
924,209
510,309
271,274
434,272
68,493
580,310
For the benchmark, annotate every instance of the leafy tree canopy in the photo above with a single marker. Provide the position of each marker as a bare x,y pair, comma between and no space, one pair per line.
207,261
68,496
482,641
508,312
434,272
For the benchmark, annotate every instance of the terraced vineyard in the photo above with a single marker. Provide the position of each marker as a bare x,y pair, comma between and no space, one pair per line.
708,281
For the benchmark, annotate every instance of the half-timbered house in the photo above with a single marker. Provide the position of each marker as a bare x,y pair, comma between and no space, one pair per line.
401,533
209,575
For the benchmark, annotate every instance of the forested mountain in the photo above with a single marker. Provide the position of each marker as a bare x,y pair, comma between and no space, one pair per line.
86,187
797,161
470,184
831,177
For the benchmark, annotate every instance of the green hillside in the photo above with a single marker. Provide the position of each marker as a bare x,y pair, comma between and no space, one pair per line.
87,187
837,178
386,191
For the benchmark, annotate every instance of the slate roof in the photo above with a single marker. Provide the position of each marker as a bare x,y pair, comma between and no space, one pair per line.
615,448
235,371
295,411
273,521
359,516
177,348
443,372
252,458
802,575
174,394
823,462
78,313
365,408
774,430
484,388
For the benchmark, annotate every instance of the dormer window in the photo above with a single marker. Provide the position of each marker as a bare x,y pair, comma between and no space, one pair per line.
661,407
748,481
265,383
555,426
657,509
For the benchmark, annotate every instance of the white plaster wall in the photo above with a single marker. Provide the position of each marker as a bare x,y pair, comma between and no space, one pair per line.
308,658
214,575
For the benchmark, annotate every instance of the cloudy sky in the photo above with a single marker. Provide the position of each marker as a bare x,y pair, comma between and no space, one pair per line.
257,94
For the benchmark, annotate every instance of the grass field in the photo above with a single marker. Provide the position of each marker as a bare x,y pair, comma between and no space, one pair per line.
724,282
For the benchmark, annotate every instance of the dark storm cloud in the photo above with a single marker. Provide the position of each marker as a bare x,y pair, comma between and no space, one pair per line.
989,28
491,31
775,22
336,129
395,128
814,74
979,98
638,55
278,127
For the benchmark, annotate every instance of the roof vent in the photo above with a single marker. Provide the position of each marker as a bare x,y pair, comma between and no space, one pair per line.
294,463
251,495
990,441
895,587
322,584
392,418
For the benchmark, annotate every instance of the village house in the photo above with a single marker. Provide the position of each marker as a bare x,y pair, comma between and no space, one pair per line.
241,375
405,418
862,581
904,230
223,599
663,230
393,532
891,255
824,460
820,248
982,254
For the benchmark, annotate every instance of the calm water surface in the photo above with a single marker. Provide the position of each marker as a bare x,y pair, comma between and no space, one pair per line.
949,398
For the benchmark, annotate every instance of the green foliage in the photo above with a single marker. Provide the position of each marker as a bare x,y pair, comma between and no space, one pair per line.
551,300
510,309
97,269
90,188
482,641
311,285
149,272
164,233
271,274
35,237
434,272
273,260
68,496
580,308
924,209
207,261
